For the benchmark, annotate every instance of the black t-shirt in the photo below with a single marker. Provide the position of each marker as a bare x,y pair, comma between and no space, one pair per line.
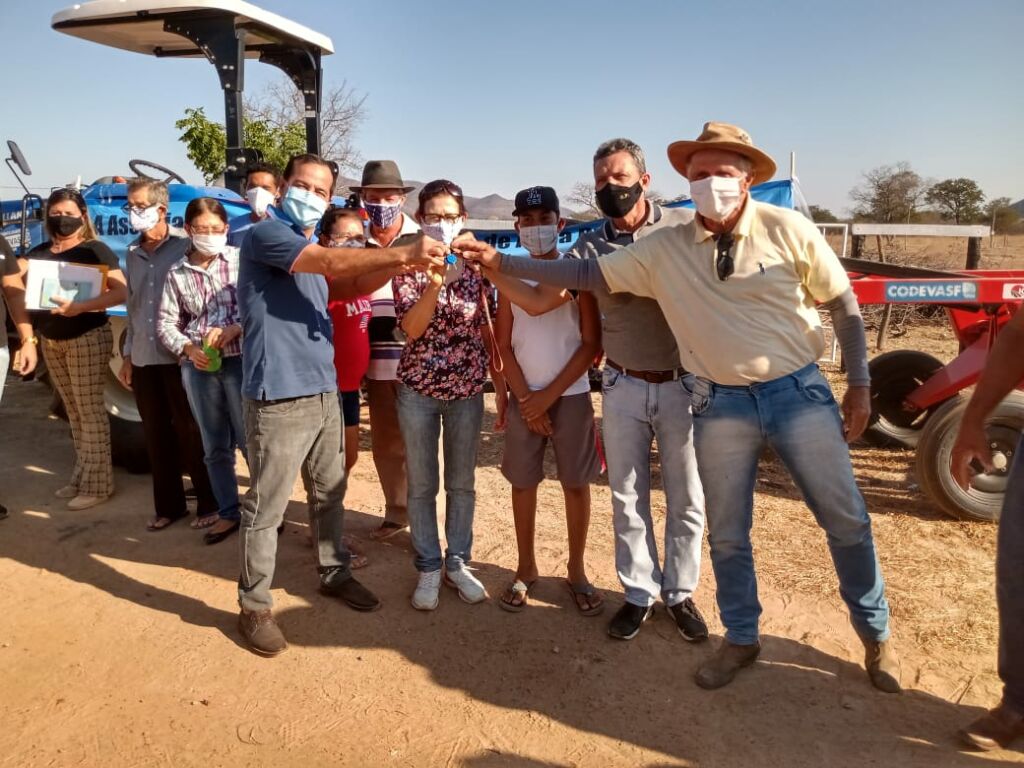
8,266
60,328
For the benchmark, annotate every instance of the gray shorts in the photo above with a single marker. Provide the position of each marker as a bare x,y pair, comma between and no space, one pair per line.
574,441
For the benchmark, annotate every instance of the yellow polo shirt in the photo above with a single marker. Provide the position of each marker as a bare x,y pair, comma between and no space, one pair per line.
759,324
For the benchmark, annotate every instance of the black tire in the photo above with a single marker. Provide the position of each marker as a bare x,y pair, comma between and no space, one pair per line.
895,375
128,446
984,500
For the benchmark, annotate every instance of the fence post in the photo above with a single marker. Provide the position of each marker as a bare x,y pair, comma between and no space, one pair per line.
973,253
858,246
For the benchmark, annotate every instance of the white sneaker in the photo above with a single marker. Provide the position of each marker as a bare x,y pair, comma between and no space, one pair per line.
469,586
425,596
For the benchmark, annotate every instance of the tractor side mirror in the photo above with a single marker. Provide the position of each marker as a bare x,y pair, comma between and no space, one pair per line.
19,158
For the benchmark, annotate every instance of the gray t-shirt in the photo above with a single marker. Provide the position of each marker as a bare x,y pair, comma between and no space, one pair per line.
8,266
634,333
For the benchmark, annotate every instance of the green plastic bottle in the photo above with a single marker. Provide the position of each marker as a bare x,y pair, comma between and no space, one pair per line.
213,354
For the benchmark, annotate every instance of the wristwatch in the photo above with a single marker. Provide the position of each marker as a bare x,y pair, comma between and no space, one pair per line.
30,340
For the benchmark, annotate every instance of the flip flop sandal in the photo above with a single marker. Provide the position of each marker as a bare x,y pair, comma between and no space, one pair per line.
386,531
153,525
586,590
517,587
204,521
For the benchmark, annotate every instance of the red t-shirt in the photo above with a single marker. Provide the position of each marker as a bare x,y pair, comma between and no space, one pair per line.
351,341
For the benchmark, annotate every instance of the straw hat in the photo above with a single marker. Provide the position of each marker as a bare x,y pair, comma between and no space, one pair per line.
726,137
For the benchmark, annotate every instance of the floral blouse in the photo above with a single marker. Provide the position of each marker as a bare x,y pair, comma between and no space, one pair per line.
449,361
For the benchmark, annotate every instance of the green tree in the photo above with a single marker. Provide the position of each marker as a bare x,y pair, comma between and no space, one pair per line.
206,141
821,215
957,199
1000,215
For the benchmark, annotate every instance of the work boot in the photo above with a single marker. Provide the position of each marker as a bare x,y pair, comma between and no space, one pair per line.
882,665
261,633
998,727
729,659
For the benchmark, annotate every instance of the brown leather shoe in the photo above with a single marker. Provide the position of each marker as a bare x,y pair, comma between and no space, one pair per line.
998,727
261,633
729,659
882,665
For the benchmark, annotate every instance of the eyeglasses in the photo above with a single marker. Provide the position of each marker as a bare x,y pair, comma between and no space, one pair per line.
439,186
129,208
724,264
347,242
437,218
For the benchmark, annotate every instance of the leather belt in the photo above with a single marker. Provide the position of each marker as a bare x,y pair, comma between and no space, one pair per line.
651,377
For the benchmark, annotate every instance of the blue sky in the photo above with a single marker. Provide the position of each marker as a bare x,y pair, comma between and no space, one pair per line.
499,96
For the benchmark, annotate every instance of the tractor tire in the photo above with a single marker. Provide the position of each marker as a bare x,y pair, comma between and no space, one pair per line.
895,375
984,499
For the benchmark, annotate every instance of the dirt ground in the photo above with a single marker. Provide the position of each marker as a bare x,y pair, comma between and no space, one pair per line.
118,647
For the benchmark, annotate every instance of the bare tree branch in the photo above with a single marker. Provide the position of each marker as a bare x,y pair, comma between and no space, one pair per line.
342,112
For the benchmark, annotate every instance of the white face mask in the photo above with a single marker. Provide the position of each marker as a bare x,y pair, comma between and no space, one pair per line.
210,245
444,231
717,196
259,200
539,240
146,220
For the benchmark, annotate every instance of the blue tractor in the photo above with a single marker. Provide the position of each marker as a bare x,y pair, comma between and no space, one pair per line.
226,33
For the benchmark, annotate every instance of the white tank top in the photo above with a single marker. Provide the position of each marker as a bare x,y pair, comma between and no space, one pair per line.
544,344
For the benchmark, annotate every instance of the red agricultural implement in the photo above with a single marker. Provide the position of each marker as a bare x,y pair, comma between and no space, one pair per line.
917,400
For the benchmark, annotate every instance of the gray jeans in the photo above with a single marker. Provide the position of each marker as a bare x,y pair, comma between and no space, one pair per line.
635,413
286,437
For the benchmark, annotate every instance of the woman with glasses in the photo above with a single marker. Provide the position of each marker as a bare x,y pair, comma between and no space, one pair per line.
446,317
199,321
77,342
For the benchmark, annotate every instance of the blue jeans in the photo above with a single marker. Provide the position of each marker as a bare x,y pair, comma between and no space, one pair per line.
216,401
798,417
634,414
1010,586
420,418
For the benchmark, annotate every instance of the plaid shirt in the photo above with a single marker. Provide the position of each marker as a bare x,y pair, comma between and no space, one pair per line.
195,300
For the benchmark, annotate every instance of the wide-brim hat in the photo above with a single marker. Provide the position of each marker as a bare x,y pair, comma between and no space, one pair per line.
726,137
382,174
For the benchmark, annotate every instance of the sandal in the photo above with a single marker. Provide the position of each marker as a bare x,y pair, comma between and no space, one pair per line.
204,521
517,589
159,523
587,591
358,559
386,530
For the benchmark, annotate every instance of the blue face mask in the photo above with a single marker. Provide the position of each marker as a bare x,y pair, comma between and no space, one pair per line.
303,207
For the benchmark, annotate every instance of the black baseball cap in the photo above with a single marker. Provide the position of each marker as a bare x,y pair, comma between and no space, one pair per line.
536,197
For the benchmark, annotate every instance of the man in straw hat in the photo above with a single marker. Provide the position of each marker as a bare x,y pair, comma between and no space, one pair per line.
738,286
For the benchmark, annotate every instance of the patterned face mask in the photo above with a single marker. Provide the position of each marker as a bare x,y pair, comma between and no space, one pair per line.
443,231
383,215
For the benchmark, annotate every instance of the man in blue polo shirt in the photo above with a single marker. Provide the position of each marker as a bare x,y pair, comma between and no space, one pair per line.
292,418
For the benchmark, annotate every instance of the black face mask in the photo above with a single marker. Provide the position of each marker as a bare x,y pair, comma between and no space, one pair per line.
615,201
63,225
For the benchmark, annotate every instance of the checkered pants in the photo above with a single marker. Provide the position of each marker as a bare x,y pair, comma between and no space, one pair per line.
78,369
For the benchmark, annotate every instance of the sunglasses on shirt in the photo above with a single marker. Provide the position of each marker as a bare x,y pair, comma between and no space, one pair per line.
724,263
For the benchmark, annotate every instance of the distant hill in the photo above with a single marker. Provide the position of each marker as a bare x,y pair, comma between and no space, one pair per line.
1019,207
490,207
